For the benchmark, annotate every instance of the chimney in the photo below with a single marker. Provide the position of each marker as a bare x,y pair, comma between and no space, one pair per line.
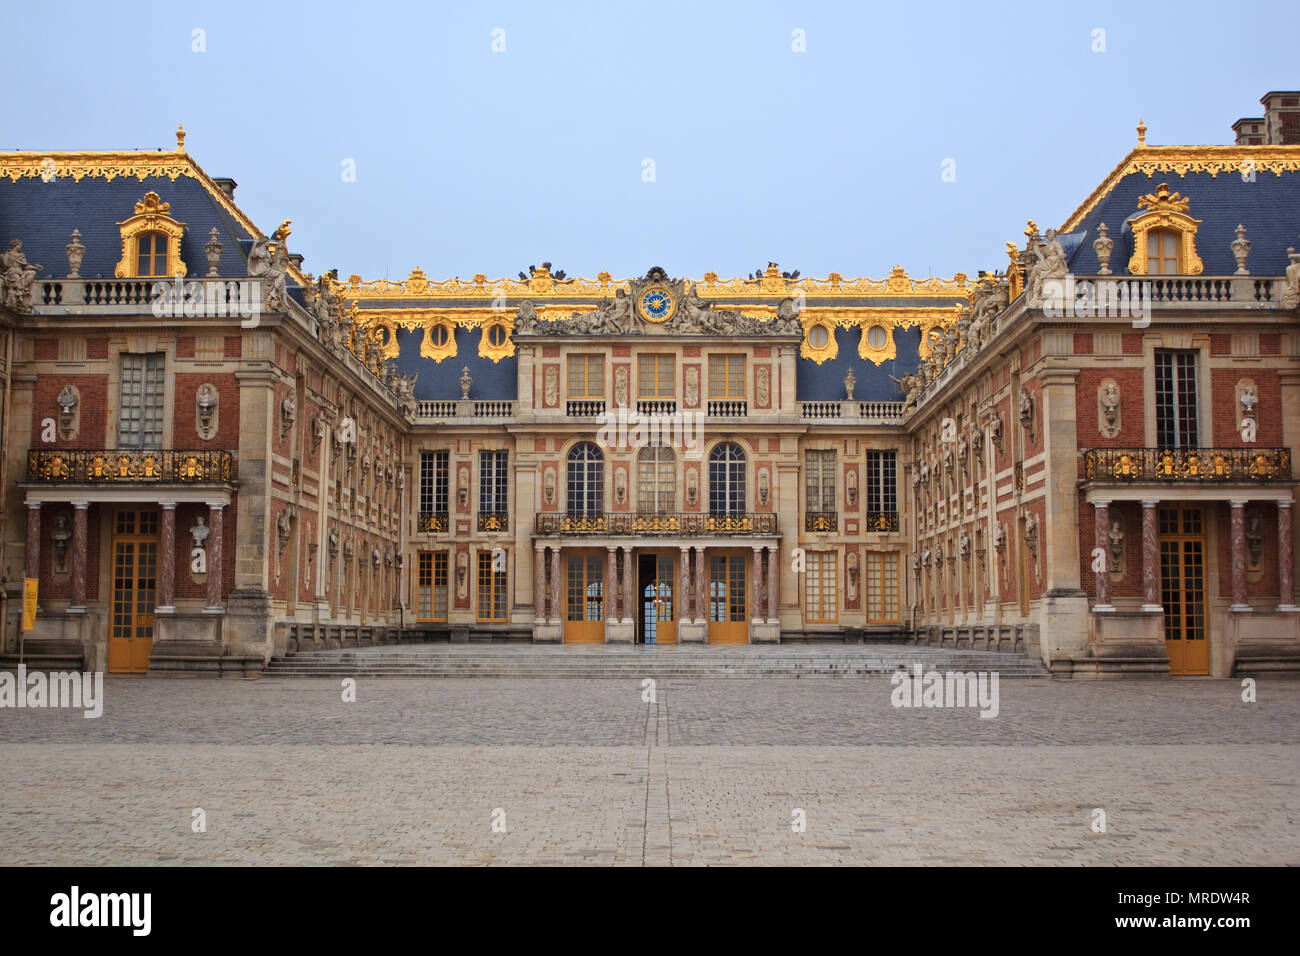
1282,117
1249,131
227,187
296,259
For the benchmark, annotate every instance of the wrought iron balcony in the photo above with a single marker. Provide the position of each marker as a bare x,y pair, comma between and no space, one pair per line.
821,521
1187,464
882,521
650,523
494,521
432,521
128,466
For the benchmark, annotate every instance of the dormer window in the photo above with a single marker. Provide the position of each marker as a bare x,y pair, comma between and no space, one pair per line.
151,242
1164,236
151,255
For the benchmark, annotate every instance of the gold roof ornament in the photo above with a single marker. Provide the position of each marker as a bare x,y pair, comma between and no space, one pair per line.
1162,200
1142,133
282,233
180,138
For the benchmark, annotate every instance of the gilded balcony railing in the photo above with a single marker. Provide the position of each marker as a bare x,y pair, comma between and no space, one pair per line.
431,521
493,521
650,523
882,521
1187,464
821,521
127,465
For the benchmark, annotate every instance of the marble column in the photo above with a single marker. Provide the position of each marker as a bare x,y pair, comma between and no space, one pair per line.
1100,534
759,584
215,514
684,602
166,560
539,585
79,545
33,539
1238,511
1150,559
629,585
773,579
701,586
557,575
1285,558
611,584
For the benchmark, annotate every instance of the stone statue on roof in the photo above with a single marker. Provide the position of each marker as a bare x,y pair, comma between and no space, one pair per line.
1050,263
526,318
269,261
19,277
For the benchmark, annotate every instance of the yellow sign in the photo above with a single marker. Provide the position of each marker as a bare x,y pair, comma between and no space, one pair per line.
29,603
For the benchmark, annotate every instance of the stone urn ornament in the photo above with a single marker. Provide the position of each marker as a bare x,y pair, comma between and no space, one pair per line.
76,252
849,382
466,380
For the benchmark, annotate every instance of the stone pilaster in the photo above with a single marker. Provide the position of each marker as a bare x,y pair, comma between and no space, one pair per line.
629,586
758,575
773,582
612,588
557,576
684,585
539,585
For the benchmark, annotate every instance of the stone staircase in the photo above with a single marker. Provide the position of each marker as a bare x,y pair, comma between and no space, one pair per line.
621,662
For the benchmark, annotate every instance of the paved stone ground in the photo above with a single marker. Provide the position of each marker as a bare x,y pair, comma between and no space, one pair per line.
711,773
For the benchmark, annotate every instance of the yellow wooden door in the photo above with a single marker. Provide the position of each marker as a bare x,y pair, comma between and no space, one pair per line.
660,610
135,582
728,620
1182,584
584,619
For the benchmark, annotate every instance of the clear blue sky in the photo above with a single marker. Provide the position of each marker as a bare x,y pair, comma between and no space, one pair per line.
473,161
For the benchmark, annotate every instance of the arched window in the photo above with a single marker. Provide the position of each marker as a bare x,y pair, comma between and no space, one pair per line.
726,479
656,479
151,255
586,484
1162,252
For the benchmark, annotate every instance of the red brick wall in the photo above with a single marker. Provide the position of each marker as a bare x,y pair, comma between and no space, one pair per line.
1224,410
93,408
59,588
184,434
1132,429
1220,516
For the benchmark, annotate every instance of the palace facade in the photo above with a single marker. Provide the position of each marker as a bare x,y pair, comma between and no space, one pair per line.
213,457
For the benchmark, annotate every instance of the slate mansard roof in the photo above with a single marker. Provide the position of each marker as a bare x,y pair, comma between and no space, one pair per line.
1222,193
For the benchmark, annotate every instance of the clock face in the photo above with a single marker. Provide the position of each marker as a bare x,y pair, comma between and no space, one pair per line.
656,304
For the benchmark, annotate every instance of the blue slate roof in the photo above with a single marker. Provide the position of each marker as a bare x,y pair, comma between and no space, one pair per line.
441,380
1269,208
43,216
825,382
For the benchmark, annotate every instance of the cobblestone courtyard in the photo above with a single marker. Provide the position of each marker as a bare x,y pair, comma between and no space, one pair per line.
416,771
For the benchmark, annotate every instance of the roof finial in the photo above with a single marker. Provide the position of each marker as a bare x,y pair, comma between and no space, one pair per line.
1142,133
180,138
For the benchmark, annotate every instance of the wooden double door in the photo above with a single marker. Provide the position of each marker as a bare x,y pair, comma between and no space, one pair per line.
135,588
728,597
1182,589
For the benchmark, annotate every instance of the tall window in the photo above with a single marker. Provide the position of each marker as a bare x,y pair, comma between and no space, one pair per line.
1176,399
726,376
491,589
586,480
493,482
586,376
151,255
433,481
820,599
1162,252
431,586
140,410
656,479
655,376
820,480
882,586
726,479
882,484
